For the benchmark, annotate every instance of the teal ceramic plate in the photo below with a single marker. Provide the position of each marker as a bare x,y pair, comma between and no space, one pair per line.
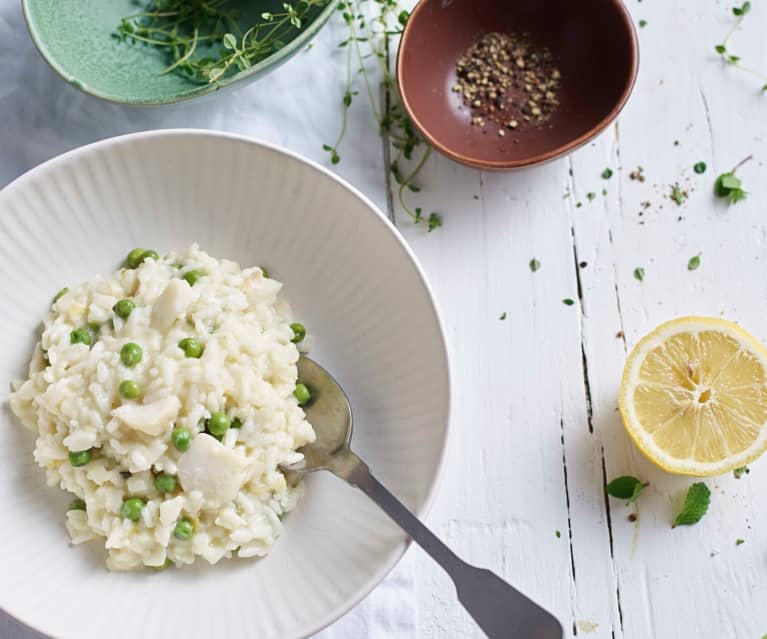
76,37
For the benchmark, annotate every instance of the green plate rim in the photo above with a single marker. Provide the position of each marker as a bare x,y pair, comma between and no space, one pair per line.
275,59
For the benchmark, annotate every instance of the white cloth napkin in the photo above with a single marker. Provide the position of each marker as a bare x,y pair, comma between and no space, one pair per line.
41,116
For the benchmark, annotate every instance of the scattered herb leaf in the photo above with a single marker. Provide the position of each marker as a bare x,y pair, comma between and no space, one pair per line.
558,534
639,273
740,471
591,196
693,263
642,24
534,265
568,302
740,542
625,487
728,186
734,60
699,167
677,195
503,316
607,173
695,505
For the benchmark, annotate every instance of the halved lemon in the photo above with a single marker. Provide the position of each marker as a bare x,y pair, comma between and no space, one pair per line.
694,396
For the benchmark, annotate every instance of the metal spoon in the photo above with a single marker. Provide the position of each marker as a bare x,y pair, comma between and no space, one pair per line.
498,608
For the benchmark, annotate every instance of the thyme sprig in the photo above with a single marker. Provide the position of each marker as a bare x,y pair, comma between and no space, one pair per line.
740,13
369,37
203,39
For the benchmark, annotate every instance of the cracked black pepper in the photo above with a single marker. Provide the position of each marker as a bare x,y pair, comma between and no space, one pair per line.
505,79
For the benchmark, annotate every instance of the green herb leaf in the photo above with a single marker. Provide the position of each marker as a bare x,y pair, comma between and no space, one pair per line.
625,487
729,187
740,542
740,471
695,505
558,534
720,49
534,265
693,263
434,221
677,195
742,10
503,316
699,167
607,173
733,59
642,24
639,273
230,42
591,196
568,302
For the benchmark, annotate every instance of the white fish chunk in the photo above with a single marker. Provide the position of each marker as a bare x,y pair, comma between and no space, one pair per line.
153,419
171,304
213,469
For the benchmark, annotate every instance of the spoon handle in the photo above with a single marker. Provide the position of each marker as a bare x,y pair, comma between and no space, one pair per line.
499,609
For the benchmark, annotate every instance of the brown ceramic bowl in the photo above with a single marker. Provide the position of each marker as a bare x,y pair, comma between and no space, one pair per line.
593,43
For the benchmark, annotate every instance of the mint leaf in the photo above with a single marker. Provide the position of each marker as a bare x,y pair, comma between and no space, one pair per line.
729,187
625,487
695,505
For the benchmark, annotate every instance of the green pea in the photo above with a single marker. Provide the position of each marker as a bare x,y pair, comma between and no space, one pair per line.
136,257
132,508
133,260
79,457
299,332
236,423
81,336
131,354
124,308
130,389
184,530
163,565
192,276
218,423
302,394
165,483
182,439
60,294
191,347
76,504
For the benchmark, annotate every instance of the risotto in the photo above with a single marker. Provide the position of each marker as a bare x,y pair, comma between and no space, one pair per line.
164,398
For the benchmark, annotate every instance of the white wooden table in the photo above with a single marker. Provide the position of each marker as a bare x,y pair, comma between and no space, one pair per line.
535,428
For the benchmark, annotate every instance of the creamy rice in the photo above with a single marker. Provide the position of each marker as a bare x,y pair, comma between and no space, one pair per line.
231,491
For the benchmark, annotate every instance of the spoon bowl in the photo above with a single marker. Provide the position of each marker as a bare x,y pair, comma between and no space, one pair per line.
330,414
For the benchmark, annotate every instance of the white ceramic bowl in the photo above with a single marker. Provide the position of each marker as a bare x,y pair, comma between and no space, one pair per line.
351,279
